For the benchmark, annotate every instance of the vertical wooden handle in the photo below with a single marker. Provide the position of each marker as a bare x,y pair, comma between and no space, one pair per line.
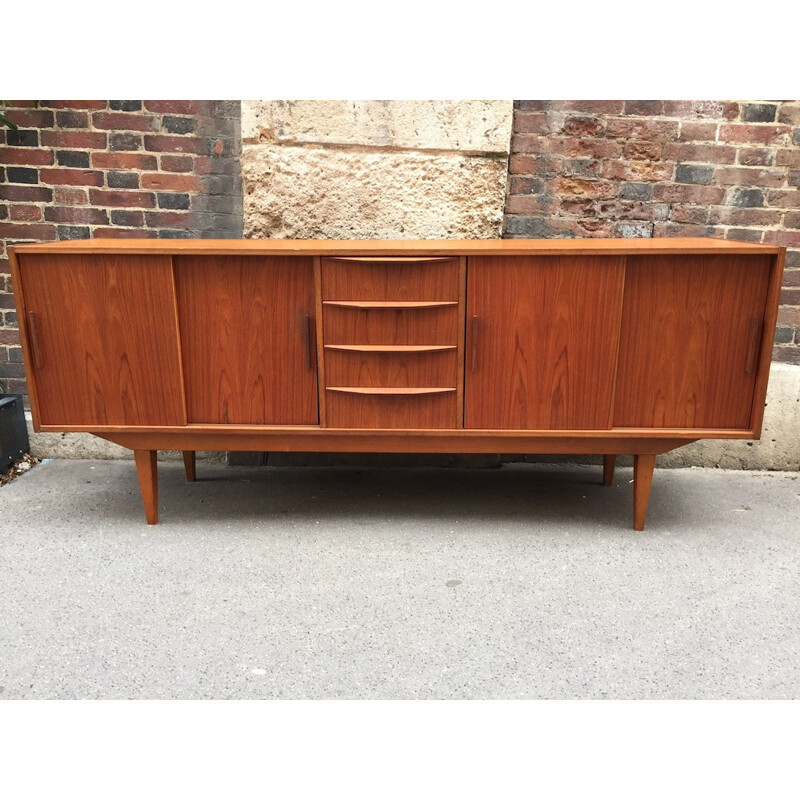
474,343
33,338
309,334
755,335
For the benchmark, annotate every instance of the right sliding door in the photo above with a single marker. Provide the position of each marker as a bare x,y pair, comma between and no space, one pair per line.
689,341
542,335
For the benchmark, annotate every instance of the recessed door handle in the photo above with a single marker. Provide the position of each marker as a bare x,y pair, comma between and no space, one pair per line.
755,331
309,335
33,338
474,343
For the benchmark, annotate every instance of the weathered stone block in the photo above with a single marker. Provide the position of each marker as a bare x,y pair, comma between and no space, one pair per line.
478,126
319,193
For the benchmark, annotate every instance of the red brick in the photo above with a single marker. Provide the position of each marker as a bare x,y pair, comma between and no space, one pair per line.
651,129
9,336
698,131
644,108
531,105
168,219
76,216
582,126
577,206
755,156
66,195
788,315
78,104
177,163
25,156
175,144
26,194
119,121
789,113
79,140
749,176
788,158
520,143
31,118
123,233
642,151
175,183
790,297
756,217
122,198
18,230
204,165
783,238
127,218
591,148
632,209
176,106
22,213
529,205
688,193
672,230
700,153
766,134
744,234
584,188
71,177
788,354
792,220
697,215
791,277
124,161
787,198
638,170
531,123
703,109
604,107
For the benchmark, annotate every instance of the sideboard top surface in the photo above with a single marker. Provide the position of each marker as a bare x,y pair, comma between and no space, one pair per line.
407,247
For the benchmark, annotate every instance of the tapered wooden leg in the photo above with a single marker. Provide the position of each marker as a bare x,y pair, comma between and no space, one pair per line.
147,467
189,463
609,462
643,466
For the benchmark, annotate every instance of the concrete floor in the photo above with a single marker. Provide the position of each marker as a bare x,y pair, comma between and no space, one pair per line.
520,582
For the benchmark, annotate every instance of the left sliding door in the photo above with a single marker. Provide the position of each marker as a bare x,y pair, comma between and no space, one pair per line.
102,339
248,339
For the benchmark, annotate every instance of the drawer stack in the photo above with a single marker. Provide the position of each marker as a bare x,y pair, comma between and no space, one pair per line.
391,342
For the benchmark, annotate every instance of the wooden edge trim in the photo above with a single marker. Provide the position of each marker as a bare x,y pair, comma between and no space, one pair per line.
687,434
179,341
767,342
377,443
22,325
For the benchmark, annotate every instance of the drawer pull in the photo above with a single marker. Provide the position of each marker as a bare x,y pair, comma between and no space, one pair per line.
474,344
392,348
389,390
366,304
755,331
398,260
33,337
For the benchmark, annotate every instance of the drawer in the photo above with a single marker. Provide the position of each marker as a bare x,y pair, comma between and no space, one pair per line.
390,279
414,325
387,368
383,409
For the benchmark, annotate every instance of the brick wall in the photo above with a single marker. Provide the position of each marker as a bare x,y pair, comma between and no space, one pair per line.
118,168
632,168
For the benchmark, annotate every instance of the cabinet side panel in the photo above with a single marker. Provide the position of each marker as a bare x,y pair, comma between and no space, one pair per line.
691,329
247,333
106,339
542,341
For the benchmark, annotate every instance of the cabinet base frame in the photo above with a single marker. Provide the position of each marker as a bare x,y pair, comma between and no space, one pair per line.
146,446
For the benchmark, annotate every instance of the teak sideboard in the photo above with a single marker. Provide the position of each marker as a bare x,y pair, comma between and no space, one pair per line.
516,346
